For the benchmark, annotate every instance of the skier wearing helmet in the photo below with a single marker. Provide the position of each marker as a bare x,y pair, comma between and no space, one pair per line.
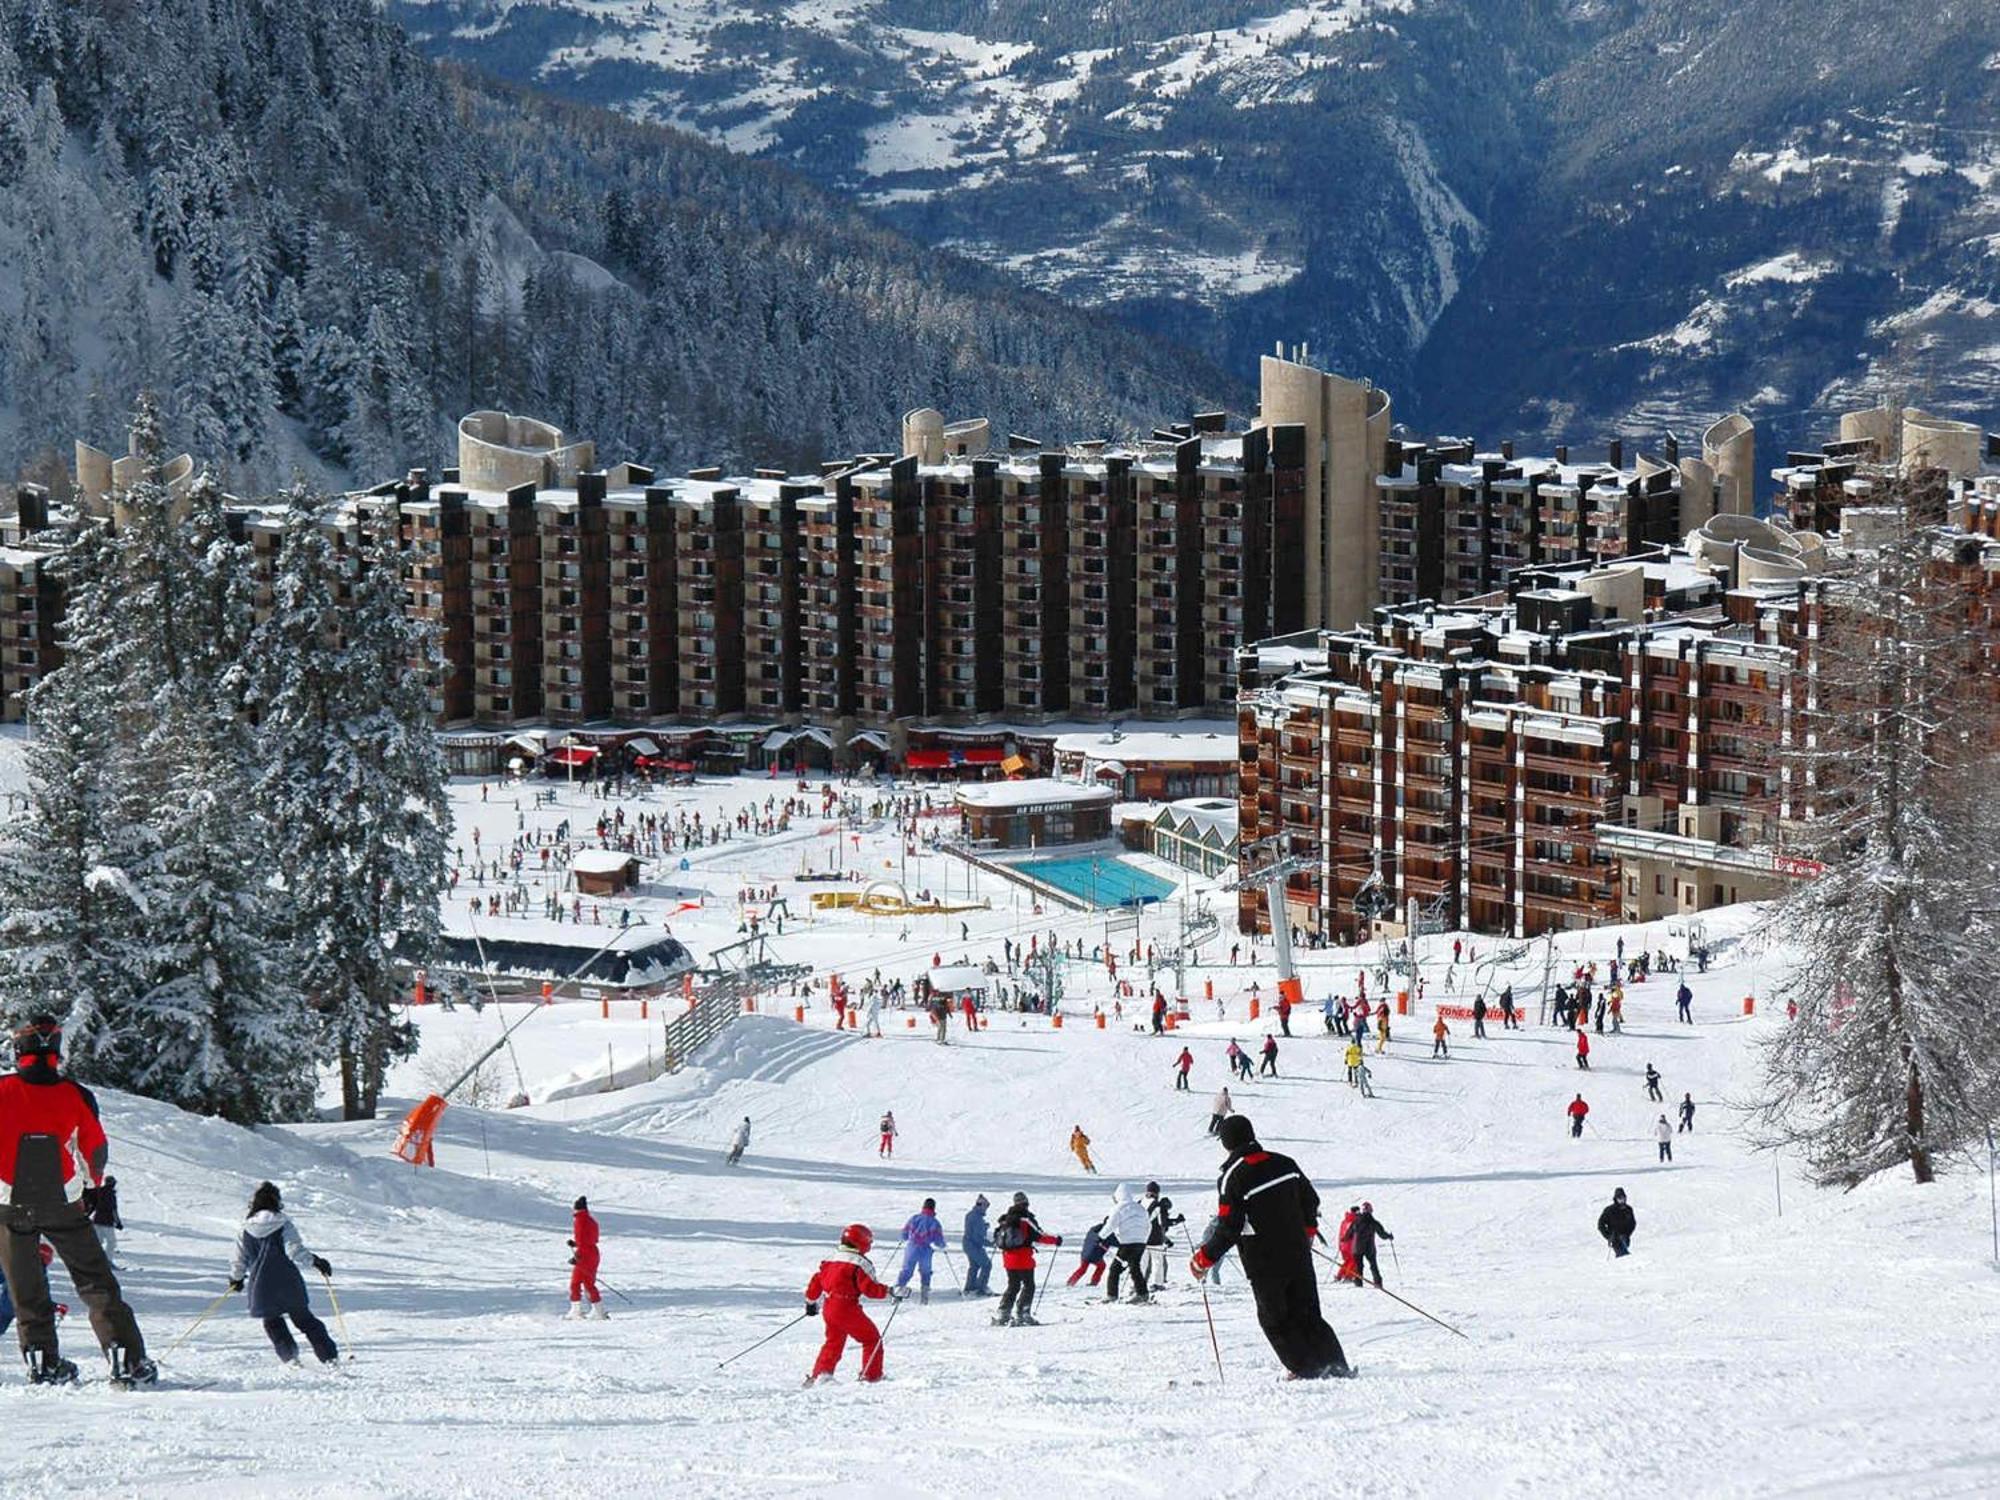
841,1281
1016,1234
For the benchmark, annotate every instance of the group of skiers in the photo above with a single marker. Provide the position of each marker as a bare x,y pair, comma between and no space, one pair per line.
61,1202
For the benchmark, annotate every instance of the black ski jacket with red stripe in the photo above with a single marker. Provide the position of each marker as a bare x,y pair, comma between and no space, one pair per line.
1266,1209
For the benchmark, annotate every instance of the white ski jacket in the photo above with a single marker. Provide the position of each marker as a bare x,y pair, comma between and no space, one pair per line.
1127,1223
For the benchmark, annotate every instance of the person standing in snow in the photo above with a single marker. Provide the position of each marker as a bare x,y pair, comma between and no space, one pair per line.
1268,1211
886,1146
1578,1112
1361,1079
1653,1084
269,1257
1223,1108
739,1143
1439,1031
50,1142
101,1202
973,1241
1616,1224
1479,1016
1182,1066
1684,1002
1353,1062
1367,1230
922,1235
1348,1269
1583,1049
1382,1028
1127,1228
871,1014
842,1280
583,1264
1080,1144
1269,1069
1507,1022
1016,1234
1162,1219
1090,1255
1285,1014
1664,1134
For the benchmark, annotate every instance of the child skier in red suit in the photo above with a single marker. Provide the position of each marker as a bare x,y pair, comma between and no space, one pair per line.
583,1264
841,1281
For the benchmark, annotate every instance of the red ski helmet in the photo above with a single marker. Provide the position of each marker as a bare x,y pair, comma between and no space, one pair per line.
858,1237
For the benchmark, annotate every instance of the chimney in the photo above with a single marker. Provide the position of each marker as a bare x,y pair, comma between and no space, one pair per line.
1562,453
1673,449
32,509
1507,449
1614,453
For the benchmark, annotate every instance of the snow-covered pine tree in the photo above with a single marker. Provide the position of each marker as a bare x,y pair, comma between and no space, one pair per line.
352,788
1894,1055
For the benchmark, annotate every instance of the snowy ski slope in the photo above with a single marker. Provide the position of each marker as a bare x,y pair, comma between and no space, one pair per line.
1845,1348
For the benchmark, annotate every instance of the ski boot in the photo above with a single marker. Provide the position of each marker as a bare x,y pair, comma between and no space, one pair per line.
924,1296
575,1312
127,1372
1001,1320
45,1367
1022,1320
597,1311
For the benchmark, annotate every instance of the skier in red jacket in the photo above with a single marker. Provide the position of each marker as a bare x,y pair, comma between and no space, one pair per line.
1577,1112
583,1264
841,1281
1350,1265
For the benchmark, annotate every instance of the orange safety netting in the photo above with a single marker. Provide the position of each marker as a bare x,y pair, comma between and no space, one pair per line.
413,1141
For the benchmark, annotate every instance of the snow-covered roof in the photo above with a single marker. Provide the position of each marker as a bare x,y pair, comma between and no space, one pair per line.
1150,745
602,861
1033,791
956,978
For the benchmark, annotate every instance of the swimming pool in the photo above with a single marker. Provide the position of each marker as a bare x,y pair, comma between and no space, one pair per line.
1102,880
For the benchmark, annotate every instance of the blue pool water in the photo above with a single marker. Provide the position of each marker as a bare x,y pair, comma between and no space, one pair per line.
1102,880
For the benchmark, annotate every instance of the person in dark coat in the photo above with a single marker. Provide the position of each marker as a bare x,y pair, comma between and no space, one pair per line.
1368,1229
1616,1224
101,1203
269,1257
1268,1211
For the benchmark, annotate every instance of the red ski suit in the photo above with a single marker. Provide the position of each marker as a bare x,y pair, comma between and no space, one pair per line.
583,1271
1350,1268
839,1284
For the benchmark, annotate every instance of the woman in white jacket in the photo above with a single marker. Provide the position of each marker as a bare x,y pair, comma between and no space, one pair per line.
1126,1228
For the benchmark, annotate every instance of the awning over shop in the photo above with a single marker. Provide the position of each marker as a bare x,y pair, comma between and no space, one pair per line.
869,737
643,745
985,757
927,760
574,755
1013,765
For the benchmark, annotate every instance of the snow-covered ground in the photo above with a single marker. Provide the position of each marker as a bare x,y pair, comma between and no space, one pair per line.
1845,1347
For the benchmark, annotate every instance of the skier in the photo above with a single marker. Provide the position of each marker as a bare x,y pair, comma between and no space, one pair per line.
1361,1078
1439,1031
1368,1229
1091,1256
922,1234
1080,1144
841,1281
871,1014
1237,1064
50,1139
1616,1224
1183,1065
1017,1234
1353,1062
1269,1067
101,1203
1160,1210
1664,1134
1684,1002
1577,1111
1382,1028
886,1146
269,1255
1583,1049
583,1263
1268,1210
1285,1014
1687,1113
1507,1021
1349,1269
1159,1014
1653,1084
1479,1016
1127,1229
1326,1013
739,1143
1223,1109
978,1264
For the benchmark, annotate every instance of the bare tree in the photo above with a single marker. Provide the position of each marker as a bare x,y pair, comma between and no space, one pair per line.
1894,1055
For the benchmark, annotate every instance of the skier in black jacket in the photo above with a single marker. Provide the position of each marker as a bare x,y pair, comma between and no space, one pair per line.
1160,1211
1267,1209
1367,1229
1616,1224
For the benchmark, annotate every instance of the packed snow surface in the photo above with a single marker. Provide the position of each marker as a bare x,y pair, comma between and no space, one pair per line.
1844,1347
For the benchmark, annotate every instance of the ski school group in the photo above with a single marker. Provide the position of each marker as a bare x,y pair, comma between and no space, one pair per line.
53,1154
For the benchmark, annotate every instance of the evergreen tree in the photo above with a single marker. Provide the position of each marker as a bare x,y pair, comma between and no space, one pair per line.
352,788
1894,1056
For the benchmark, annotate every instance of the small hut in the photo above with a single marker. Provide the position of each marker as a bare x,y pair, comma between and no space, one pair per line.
604,872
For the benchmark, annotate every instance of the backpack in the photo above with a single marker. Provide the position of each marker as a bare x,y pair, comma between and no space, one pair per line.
1009,1235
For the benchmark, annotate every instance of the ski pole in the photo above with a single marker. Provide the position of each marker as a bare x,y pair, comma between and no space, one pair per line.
339,1317
615,1292
763,1341
1214,1344
205,1312
1396,1258
1387,1293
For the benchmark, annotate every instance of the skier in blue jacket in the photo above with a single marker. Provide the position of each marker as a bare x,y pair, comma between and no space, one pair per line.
269,1256
978,1263
922,1236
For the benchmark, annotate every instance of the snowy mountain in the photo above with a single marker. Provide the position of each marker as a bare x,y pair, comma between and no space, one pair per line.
1545,217
332,248
1667,1373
